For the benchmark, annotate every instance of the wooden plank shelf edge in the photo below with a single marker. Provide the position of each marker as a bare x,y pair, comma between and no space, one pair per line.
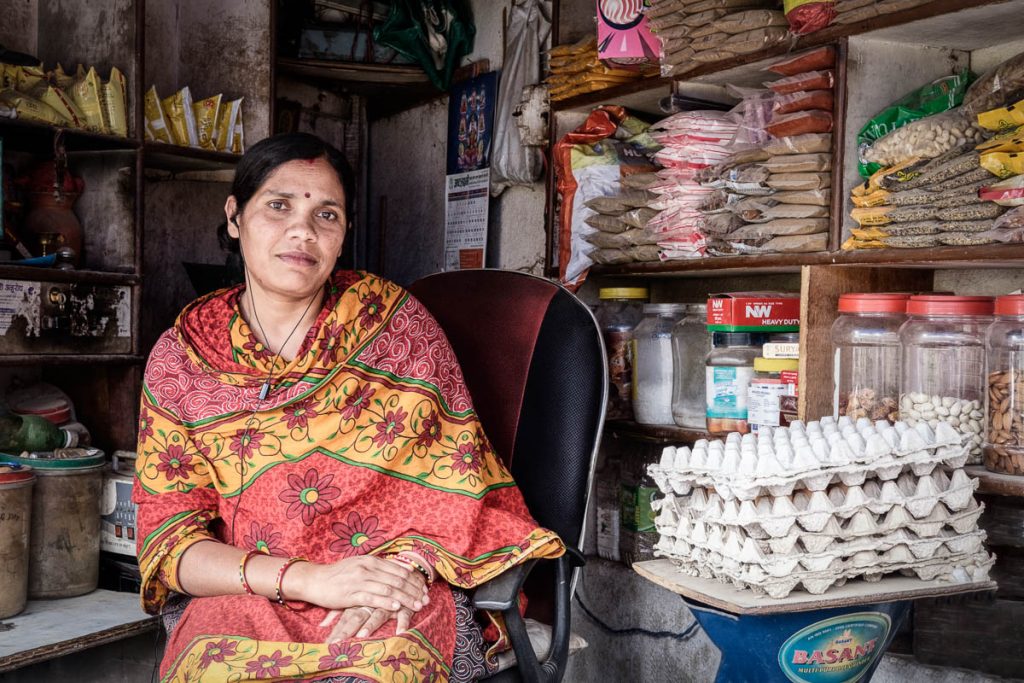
997,484
97,277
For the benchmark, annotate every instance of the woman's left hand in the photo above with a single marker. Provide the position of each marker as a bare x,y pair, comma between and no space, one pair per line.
362,621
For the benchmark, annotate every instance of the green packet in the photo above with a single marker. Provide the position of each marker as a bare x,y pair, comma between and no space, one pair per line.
936,97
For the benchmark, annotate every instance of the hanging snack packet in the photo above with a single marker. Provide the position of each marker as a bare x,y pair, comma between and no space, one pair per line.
230,112
181,119
87,92
114,99
156,122
238,136
30,109
207,113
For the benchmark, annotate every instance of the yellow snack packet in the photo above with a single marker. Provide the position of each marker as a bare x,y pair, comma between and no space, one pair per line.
874,216
1004,143
9,76
62,80
31,109
114,98
29,77
238,136
1003,164
1002,118
61,102
87,93
156,122
868,233
854,243
180,118
866,200
229,114
207,113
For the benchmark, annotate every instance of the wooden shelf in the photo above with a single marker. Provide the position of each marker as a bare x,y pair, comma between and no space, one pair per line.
656,432
10,271
70,359
31,136
354,72
997,484
52,628
642,94
178,159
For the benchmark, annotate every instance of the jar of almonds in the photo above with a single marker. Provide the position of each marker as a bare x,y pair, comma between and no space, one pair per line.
943,373
1004,434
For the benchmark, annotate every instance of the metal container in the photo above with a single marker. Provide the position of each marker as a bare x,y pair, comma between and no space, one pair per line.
16,483
64,552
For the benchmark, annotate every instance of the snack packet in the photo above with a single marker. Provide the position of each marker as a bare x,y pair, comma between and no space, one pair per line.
8,76
238,136
61,102
180,118
30,109
1003,118
207,113
1003,164
230,112
29,77
61,79
87,93
156,122
114,99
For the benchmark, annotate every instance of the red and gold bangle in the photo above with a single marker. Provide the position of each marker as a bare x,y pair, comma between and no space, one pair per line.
241,571
280,577
415,564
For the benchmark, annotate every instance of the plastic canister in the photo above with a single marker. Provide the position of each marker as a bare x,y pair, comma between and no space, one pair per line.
621,310
64,550
16,482
774,379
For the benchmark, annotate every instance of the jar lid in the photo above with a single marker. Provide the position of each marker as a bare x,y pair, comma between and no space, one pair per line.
697,308
776,364
873,303
784,338
622,293
60,459
13,472
1011,304
662,309
733,339
939,304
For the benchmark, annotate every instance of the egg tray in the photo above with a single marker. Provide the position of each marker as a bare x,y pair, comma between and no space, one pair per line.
958,568
871,508
779,462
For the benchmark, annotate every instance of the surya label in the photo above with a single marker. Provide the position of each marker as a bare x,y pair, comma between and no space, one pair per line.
836,650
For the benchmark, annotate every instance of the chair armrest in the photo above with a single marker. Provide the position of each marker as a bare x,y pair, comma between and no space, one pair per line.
501,593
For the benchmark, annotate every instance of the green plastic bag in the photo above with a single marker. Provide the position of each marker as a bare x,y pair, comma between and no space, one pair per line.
436,34
936,97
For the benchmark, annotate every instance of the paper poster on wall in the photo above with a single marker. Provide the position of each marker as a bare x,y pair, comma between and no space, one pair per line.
465,219
471,123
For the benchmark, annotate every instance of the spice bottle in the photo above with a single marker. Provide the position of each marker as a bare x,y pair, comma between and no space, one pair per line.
866,355
943,364
774,380
690,346
1004,435
621,310
728,371
652,363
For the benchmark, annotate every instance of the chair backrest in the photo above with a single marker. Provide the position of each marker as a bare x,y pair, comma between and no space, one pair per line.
535,365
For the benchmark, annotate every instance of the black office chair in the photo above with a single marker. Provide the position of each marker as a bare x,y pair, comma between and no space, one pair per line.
535,365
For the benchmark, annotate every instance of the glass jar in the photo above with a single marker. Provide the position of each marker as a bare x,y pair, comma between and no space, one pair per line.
773,380
621,310
728,371
1004,436
866,356
652,363
943,364
691,344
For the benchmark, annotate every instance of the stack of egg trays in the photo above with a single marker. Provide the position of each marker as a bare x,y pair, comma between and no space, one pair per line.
760,512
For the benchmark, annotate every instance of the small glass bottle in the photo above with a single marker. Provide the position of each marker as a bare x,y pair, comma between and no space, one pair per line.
943,373
866,355
652,363
1004,435
621,310
729,369
691,344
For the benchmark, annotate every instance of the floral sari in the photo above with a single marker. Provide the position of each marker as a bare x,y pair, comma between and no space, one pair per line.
366,443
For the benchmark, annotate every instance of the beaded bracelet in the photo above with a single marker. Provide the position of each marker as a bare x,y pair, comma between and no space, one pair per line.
241,571
280,577
414,564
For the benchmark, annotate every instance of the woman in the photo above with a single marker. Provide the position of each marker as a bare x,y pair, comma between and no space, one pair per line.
310,468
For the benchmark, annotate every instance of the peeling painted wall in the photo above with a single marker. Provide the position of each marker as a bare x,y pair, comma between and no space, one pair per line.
18,29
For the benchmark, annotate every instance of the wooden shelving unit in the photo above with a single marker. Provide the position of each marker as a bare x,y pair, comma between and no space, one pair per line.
669,434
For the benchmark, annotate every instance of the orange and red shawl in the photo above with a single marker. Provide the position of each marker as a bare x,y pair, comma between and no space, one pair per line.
368,443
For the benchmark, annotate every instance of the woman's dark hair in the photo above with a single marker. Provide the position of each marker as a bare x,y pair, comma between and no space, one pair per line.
265,156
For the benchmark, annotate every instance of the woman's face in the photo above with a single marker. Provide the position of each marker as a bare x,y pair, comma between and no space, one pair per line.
292,229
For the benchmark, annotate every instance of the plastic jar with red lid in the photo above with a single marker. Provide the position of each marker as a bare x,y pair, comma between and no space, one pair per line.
1004,434
866,355
943,373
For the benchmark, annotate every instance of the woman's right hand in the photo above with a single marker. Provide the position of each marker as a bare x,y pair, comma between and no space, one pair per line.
364,581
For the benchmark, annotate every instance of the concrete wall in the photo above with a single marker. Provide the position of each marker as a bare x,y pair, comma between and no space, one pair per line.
407,169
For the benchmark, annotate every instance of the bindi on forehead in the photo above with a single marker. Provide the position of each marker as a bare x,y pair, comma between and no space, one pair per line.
307,195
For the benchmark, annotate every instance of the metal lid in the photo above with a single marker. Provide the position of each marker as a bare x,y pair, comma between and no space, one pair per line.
60,459
664,309
623,293
13,473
